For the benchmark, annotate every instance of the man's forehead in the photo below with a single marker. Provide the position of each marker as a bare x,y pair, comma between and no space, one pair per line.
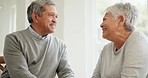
50,9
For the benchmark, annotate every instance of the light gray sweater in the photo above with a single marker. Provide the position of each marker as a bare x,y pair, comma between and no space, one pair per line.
28,56
130,61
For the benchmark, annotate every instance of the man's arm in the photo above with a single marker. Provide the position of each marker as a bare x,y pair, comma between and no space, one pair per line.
64,70
15,60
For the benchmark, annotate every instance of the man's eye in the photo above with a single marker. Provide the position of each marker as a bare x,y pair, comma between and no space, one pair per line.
52,15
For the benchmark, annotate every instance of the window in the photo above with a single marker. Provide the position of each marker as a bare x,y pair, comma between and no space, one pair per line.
12,23
8,14
1,24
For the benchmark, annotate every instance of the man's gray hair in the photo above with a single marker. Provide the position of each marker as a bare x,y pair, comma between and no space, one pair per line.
37,7
127,10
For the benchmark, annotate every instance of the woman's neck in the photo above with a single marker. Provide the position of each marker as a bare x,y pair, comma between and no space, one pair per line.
121,39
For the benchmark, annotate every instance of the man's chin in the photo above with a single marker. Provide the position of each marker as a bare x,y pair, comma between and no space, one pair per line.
52,31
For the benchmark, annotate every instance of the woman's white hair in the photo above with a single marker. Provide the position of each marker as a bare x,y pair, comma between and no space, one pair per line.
127,10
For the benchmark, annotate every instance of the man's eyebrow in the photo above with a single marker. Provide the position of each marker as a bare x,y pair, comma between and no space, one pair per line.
52,13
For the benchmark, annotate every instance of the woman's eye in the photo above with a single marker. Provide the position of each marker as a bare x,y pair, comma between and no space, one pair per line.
50,14
56,16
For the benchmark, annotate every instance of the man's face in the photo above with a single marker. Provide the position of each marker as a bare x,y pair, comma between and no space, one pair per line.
48,19
109,26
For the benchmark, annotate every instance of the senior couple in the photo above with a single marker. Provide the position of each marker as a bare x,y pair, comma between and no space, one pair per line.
34,53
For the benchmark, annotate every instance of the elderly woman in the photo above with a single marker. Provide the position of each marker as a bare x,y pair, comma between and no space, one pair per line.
126,56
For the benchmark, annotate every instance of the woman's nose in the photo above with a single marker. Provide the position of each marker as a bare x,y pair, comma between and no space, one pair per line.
101,25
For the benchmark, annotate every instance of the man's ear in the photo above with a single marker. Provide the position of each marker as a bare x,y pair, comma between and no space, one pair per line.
34,17
121,20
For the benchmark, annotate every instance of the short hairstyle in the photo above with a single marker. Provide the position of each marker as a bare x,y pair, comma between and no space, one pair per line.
37,7
127,10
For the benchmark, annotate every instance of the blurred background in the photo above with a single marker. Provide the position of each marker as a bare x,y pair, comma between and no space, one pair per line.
78,26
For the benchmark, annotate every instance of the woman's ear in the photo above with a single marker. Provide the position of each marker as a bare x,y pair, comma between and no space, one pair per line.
34,17
121,20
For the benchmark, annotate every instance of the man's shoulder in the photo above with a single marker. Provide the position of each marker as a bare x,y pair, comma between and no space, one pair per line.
17,33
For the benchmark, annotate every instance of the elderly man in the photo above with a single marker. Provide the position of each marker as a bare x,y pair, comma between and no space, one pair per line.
34,52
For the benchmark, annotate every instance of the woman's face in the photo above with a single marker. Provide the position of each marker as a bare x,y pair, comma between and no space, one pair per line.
109,26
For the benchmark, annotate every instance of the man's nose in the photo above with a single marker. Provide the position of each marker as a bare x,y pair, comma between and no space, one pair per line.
54,19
